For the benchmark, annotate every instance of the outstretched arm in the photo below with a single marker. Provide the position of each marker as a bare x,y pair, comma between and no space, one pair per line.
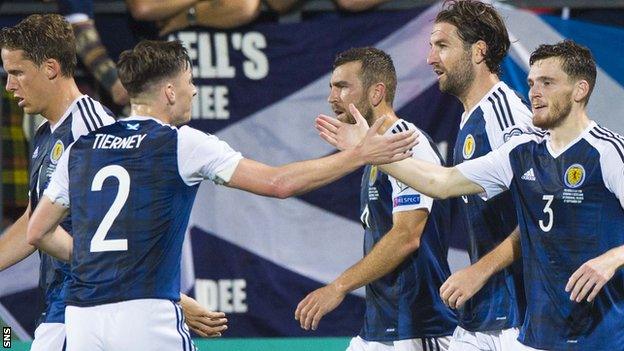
430,179
43,232
462,285
400,242
300,177
13,244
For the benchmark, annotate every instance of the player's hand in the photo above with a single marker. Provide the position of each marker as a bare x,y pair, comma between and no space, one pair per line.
203,322
317,304
340,134
591,277
461,286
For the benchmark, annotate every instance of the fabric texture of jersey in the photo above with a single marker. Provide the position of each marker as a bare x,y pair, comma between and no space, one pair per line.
83,116
500,114
405,303
570,210
130,187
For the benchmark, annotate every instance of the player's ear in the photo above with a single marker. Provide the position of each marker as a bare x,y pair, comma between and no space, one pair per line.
51,68
170,93
377,93
581,89
479,51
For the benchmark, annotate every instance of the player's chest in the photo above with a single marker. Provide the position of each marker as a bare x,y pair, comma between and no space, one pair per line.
558,193
472,141
376,188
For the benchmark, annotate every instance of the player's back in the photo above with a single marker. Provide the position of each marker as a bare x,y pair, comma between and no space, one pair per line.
130,207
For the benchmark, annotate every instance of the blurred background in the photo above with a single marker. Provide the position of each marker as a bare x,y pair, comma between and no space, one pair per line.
262,70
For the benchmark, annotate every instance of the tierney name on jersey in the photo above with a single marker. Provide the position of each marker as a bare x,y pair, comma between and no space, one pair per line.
108,141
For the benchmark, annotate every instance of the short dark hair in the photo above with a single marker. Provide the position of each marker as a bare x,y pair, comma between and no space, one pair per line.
476,21
377,66
151,61
576,61
43,37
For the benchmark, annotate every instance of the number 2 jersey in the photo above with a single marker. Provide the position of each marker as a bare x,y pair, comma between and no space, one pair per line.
500,114
405,303
83,116
570,210
130,187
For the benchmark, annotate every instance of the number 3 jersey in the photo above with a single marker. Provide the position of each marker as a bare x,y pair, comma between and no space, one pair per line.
570,210
83,116
130,187
405,303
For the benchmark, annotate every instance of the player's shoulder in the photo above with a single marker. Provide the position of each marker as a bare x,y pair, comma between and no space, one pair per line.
531,136
609,144
504,108
89,115
425,149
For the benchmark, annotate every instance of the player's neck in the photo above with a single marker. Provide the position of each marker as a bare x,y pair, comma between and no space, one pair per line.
385,111
142,108
570,129
63,94
481,85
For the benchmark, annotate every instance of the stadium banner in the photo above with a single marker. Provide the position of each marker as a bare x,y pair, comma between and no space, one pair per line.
260,88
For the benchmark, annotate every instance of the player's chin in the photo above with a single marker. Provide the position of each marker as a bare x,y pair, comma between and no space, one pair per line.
346,118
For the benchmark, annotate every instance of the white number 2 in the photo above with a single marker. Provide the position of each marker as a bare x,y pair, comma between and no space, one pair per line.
99,242
547,227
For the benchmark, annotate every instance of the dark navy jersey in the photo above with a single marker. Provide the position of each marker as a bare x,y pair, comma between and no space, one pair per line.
500,303
570,210
130,187
82,116
405,303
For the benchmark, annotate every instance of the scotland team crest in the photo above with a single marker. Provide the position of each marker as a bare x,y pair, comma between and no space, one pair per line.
469,147
57,151
574,176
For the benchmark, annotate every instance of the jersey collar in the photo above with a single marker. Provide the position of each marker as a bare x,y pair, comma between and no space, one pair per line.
554,154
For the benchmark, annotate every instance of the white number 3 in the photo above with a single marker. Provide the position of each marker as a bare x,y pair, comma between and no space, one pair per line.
99,242
547,227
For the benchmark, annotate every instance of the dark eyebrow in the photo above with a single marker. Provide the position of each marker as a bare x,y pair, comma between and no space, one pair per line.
340,84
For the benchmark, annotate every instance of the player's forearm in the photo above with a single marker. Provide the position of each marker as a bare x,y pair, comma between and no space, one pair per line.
431,179
57,243
502,256
301,177
13,244
616,256
385,257
43,232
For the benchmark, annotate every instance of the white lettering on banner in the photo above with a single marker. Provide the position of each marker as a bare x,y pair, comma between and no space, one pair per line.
257,67
224,295
211,103
210,58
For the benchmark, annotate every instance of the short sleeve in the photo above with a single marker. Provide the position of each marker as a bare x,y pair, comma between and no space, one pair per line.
202,156
507,117
612,164
58,188
405,198
492,171
89,116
